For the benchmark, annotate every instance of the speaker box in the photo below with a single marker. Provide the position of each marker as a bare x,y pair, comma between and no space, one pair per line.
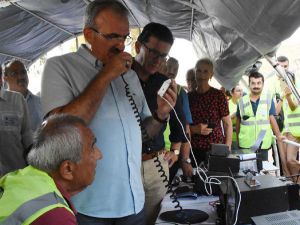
272,196
229,164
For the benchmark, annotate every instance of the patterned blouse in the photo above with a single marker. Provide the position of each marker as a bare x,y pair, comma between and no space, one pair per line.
208,107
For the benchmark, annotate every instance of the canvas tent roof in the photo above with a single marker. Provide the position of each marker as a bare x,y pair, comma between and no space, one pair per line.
232,32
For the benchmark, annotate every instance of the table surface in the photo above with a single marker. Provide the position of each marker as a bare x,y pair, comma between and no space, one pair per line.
201,203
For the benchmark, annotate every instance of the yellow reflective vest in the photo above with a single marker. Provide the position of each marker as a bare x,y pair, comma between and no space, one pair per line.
251,125
291,118
27,194
232,109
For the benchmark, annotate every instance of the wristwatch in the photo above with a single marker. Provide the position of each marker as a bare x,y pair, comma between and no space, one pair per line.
187,160
176,151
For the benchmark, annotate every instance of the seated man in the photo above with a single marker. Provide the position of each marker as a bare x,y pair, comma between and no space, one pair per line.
62,163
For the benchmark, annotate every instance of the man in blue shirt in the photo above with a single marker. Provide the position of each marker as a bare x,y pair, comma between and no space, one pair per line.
97,85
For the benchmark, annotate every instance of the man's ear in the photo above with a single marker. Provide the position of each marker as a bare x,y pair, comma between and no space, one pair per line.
138,46
88,34
66,170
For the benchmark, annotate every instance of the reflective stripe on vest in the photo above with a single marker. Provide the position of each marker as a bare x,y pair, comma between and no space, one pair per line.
250,123
294,124
291,116
31,207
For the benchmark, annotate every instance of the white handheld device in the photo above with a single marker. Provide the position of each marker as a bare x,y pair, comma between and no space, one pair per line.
164,87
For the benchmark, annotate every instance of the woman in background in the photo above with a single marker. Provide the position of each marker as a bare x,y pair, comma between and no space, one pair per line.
208,107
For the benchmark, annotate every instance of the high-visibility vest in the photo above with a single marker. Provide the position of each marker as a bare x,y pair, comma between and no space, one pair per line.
233,109
27,194
251,126
291,118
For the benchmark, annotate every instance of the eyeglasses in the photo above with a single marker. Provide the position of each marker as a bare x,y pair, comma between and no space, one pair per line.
155,53
114,37
15,73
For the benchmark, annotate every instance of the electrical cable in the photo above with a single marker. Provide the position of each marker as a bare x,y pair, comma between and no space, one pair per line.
211,179
147,141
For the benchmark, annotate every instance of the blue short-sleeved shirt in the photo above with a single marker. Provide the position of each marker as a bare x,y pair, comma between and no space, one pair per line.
117,190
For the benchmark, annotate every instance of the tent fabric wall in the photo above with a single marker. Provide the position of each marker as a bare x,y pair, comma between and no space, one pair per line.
234,33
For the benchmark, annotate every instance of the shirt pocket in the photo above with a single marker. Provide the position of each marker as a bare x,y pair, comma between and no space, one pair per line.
10,121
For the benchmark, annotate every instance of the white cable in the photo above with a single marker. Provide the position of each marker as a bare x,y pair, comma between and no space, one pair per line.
207,180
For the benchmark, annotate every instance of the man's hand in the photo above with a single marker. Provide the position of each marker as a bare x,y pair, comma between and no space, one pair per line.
187,169
280,137
163,108
171,158
287,91
117,65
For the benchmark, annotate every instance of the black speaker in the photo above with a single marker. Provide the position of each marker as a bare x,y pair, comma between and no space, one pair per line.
272,196
229,164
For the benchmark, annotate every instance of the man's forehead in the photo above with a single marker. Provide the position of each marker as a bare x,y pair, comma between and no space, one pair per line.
108,19
254,79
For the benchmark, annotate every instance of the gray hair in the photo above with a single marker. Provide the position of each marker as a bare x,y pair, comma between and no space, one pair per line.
97,6
56,140
206,61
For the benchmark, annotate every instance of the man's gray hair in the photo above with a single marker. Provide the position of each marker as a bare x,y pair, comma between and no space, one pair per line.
56,140
97,6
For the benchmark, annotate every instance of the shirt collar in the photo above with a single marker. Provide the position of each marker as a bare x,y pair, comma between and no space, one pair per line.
66,196
2,93
86,54
29,94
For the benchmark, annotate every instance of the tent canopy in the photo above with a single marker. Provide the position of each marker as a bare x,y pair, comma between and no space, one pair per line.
234,33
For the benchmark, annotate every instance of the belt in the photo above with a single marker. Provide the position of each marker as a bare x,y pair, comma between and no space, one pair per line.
151,155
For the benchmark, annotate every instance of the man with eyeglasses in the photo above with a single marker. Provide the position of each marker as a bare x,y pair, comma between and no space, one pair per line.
15,132
96,84
15,75
152,48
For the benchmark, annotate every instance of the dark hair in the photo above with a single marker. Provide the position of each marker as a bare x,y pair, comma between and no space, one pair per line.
256,75
157,30
8,63
282,58
97,6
